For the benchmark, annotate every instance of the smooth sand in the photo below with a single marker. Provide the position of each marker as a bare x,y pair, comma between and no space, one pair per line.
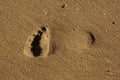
81,40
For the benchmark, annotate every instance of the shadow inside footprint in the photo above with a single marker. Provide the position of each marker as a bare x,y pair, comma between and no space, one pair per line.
36,49
93,40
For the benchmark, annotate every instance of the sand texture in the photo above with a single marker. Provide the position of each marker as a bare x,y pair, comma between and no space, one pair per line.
59,39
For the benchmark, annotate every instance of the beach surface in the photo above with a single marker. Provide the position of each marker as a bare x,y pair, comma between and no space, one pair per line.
59,39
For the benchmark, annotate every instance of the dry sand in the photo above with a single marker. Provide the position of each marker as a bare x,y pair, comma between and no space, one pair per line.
59,39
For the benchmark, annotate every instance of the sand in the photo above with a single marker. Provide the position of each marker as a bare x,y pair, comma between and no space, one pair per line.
60,40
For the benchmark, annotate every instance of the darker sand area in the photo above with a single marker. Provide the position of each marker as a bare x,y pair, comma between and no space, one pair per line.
60,40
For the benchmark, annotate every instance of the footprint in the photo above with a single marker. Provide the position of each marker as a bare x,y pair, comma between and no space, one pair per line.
88,40
92,38
38,44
